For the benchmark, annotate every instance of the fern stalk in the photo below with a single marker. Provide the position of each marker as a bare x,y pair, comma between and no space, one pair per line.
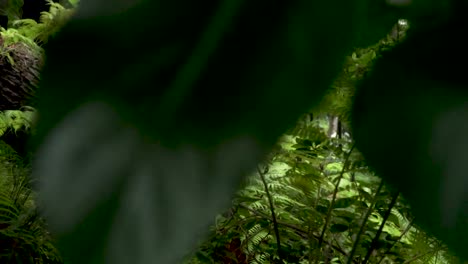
377,235
335,192
364,221
273,215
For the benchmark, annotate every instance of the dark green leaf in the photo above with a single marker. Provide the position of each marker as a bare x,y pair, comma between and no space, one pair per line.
338,228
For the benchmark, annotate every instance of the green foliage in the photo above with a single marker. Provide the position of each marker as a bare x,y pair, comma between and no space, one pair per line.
31,33
10,37
11,8
24,237
23,233
16,120
75,3
316,186
28,30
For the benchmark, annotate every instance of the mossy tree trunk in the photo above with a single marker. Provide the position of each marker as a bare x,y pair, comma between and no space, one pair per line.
19,76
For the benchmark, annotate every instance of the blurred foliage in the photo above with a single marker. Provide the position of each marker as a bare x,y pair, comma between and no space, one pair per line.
11,8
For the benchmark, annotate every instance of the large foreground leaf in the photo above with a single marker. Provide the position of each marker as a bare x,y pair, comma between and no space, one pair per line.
152,111
411,122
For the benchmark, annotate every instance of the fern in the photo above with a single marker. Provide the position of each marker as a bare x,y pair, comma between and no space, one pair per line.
16,120
50,23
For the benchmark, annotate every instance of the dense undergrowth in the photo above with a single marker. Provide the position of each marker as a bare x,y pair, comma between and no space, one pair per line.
23,233
316,201
24,236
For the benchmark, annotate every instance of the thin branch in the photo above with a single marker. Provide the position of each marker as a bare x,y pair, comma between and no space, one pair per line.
408,227
335,192
375,240
364,220
303,233
273,215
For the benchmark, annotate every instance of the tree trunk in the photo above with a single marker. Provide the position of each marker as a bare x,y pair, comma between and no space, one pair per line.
19,77
18,80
